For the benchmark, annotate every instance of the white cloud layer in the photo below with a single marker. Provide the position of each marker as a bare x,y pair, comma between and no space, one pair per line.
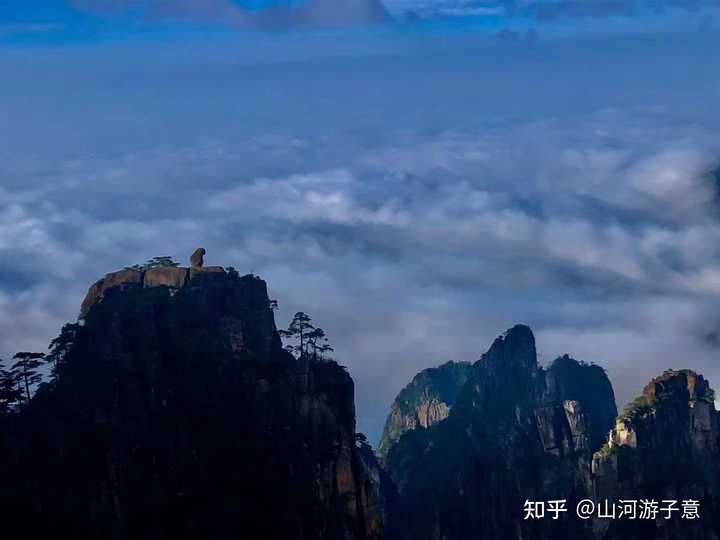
416,200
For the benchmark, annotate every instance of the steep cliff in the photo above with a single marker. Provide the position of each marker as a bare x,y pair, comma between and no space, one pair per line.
664,446
567,379
177,414
516,432
424,402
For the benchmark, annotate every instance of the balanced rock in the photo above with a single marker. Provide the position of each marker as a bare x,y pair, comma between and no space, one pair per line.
196,259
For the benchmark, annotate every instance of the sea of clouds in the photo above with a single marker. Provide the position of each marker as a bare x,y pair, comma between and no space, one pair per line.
416,192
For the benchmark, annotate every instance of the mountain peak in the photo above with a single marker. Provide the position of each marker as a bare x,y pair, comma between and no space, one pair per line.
176,409
684,385
513,352
151,275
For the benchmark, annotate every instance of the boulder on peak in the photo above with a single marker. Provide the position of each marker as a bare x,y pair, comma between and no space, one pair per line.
196,259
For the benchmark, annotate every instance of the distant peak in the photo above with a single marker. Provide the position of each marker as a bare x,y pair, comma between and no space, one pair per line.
516,346
683,384
519,332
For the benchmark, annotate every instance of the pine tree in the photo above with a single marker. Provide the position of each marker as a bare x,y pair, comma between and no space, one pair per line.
318,343
311,341
298,329
59,348
24,370
10,391
314,337
325,348
155,262
162,261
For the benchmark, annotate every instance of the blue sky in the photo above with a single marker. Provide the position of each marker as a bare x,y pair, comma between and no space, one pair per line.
69,21
417,185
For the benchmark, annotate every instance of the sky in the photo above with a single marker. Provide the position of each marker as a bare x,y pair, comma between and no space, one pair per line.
417,175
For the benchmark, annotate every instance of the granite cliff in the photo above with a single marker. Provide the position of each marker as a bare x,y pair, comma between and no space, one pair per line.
664,446
177,414
515,432
519,432
424,402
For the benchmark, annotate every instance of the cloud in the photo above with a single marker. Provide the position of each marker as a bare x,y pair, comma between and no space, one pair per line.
28,28
415,199
550,10
312,13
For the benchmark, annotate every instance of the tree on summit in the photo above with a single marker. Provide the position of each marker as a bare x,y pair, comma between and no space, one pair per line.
164,261
297,330
310,341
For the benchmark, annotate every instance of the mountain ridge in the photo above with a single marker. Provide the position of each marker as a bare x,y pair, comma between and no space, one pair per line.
176,413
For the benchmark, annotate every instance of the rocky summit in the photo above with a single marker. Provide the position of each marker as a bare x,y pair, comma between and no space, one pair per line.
664,446
171,277
177,414
520,432
516,432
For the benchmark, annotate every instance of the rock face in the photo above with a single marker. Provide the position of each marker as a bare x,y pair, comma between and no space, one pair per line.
568,379
178,415
519,432
168,276
424,402
163,276
122,279
665,447
516,432
205,271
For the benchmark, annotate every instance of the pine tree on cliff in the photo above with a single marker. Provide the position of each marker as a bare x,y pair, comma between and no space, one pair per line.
312,341
25,369
318,343
314,338
298,329
163,261
10,391
59,348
